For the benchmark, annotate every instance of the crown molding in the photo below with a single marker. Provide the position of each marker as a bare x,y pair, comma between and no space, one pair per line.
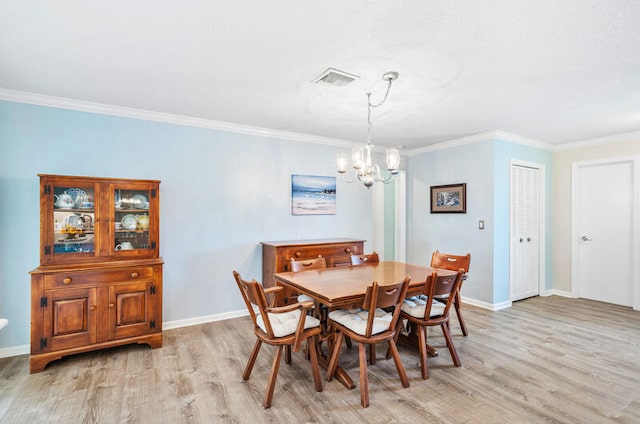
525,141
146,115
484,136
617,138
475,138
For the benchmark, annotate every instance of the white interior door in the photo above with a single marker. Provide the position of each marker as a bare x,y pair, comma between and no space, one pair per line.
525,217
603,216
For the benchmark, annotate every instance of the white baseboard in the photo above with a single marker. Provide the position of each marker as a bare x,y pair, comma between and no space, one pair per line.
486,305
7,352
169,325
554,292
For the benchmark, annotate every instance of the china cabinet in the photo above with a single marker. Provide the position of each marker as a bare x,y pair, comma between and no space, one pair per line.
99,283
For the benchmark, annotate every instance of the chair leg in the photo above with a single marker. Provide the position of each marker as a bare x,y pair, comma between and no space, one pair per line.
335,352
395,338
372,354
252,360
396,358
287,354
272,378
348,340
312,348
456,305
452,348
422,343
364,377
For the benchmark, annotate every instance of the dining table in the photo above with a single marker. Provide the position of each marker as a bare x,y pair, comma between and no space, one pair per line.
346,286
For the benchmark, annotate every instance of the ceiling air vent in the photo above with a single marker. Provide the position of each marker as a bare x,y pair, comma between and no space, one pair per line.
335,77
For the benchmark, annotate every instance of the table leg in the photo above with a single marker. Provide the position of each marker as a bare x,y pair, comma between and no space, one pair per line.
323,359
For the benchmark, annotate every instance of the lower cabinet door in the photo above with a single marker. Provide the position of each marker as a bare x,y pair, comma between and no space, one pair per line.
70,318
130,310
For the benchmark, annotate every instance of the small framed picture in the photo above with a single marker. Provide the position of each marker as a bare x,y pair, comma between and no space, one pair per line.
451,198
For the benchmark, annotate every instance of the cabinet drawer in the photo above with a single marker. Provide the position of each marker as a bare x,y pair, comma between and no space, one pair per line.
91,278
308,252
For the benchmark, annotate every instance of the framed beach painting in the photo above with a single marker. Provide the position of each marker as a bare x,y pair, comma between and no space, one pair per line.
451,198
313,195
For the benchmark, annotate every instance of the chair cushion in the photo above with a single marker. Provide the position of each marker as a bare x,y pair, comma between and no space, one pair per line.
287,323
416,305
304,298
356,320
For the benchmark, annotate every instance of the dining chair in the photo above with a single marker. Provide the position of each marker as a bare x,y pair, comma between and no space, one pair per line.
318,263
454,263
425,311
284,327
339,260
305,265
370,325
371,258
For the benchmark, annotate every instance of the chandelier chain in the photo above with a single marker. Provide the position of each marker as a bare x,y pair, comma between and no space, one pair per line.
370,105
366,169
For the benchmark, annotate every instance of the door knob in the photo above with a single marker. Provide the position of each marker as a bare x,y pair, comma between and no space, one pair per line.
585,238
528,238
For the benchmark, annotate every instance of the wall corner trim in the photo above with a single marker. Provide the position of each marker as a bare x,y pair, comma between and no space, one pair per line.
486,305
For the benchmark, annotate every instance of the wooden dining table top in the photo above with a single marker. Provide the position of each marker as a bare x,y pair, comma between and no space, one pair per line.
347,285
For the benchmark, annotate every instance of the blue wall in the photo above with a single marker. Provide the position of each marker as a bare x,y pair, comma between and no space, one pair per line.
221,194
454,233
485,167
505,152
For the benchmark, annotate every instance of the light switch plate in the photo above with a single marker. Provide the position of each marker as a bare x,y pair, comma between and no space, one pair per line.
481,225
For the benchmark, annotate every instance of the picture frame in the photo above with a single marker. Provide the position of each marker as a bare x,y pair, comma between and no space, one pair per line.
313,195
450,198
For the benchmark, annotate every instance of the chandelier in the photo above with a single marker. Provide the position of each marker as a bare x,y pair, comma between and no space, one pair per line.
366,170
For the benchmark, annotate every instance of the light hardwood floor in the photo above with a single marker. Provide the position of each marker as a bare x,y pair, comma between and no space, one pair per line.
549,359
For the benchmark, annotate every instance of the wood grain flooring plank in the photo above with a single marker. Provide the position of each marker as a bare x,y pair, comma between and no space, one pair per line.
545,359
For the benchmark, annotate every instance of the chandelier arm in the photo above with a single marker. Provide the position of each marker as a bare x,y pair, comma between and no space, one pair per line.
344,178
388,180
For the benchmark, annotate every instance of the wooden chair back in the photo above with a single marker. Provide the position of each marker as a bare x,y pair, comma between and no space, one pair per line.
450,262
371,258
384,297
341,260
441,286
254,298
307,264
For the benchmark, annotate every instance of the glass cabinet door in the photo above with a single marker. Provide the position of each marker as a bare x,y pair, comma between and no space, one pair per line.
131,225
74,218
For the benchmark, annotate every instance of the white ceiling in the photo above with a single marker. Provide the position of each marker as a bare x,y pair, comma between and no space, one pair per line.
555,71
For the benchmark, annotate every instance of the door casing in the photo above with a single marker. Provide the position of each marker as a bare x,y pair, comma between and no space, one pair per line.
575,187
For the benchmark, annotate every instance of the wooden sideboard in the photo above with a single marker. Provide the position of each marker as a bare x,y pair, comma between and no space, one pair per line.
277,254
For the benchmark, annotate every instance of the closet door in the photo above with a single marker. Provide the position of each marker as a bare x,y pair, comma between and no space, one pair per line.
525,231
